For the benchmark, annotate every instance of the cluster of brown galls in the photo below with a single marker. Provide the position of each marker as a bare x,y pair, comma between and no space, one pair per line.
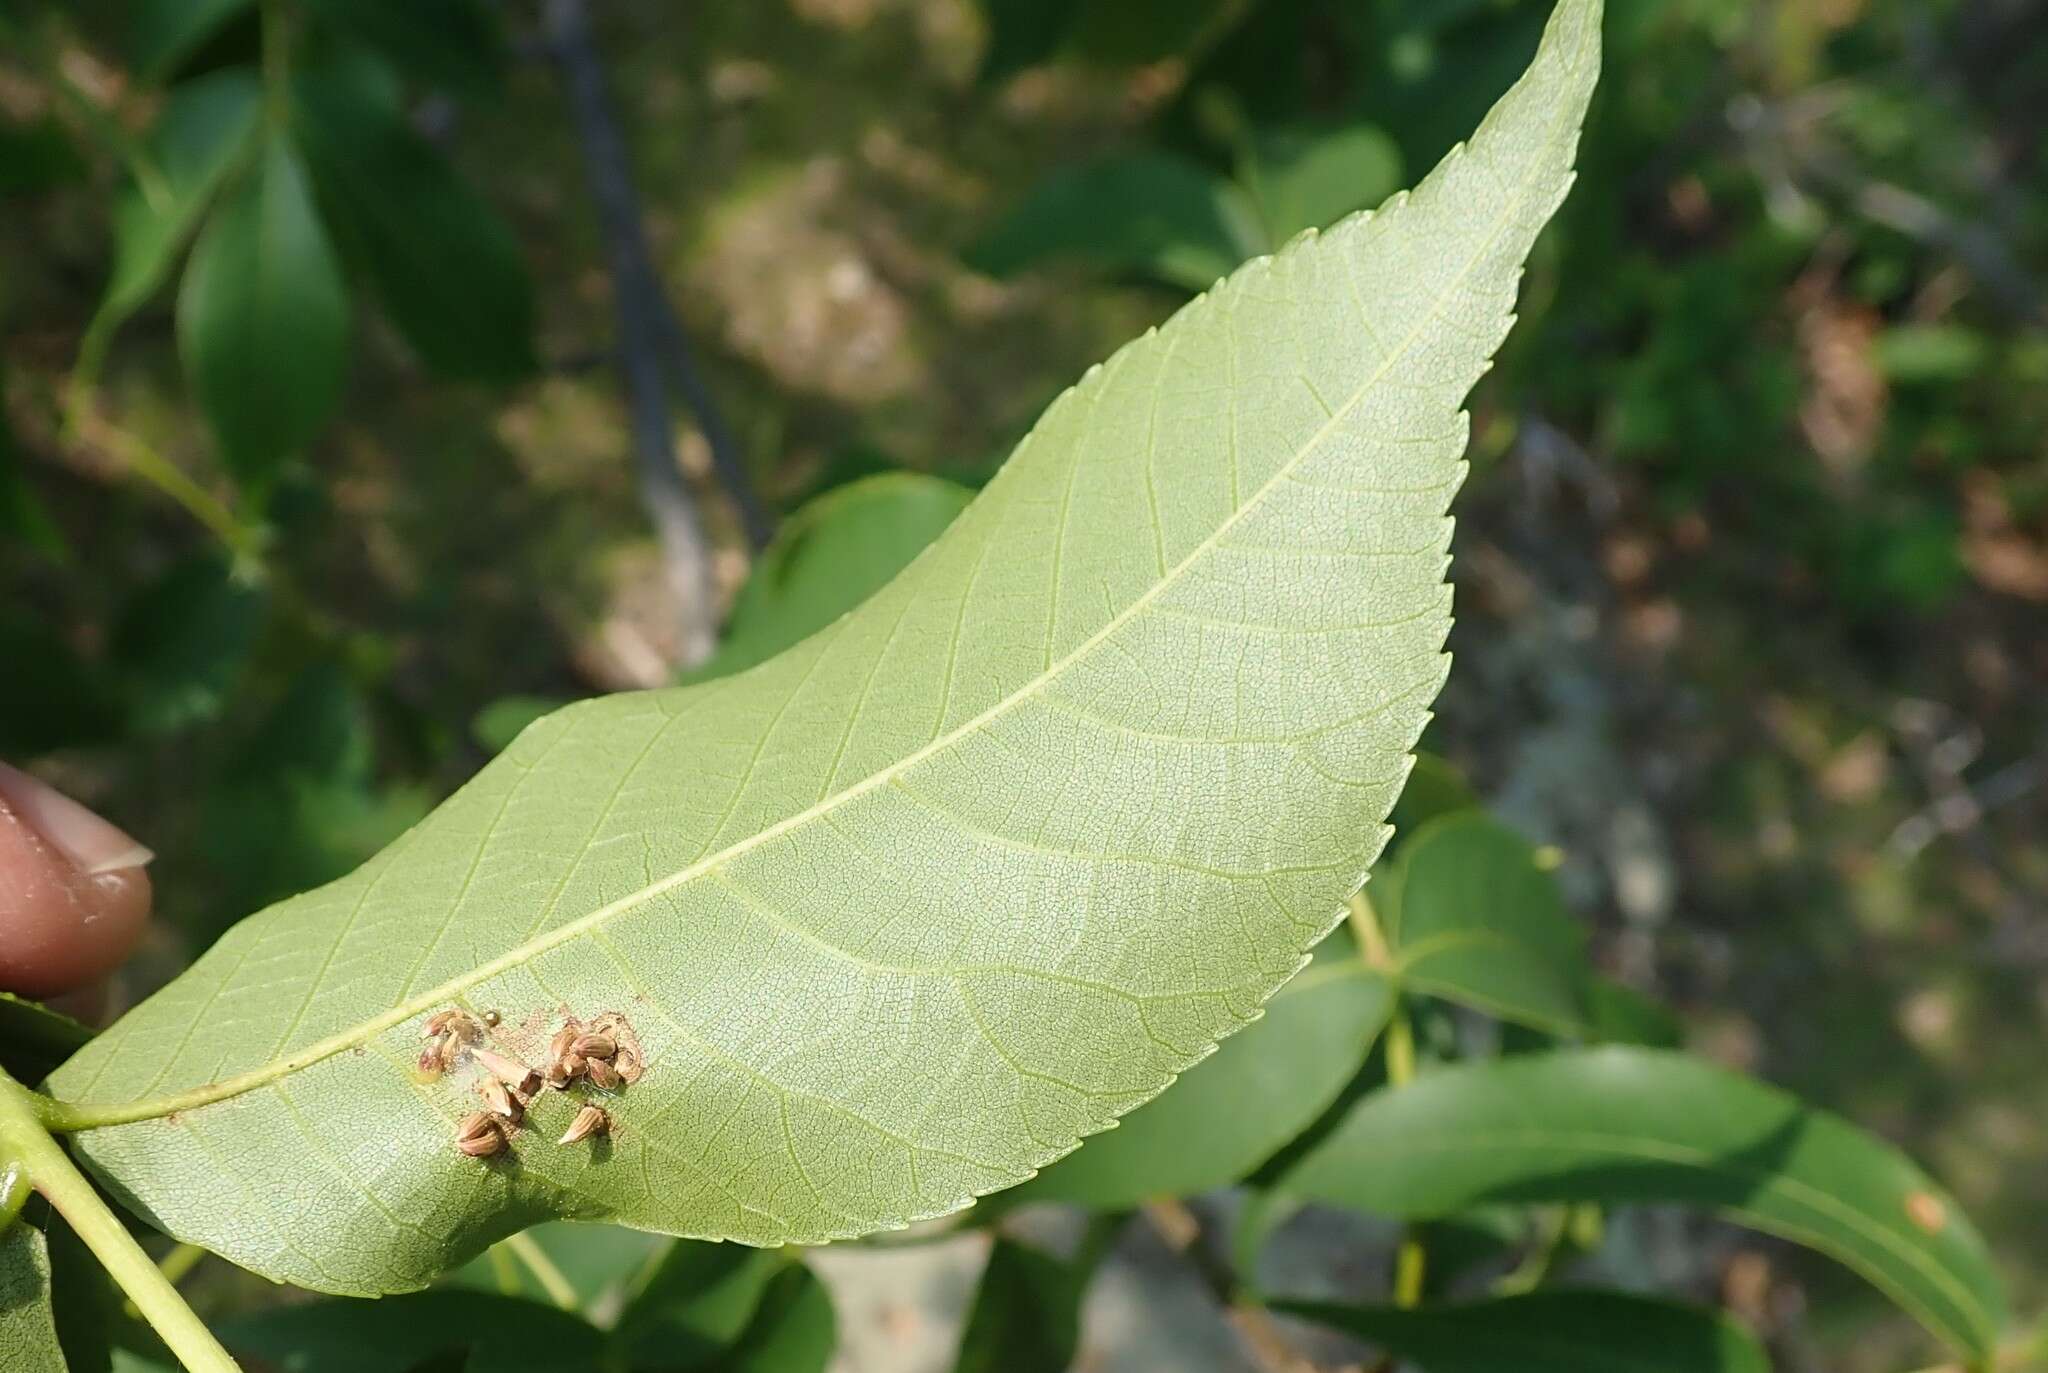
603,1052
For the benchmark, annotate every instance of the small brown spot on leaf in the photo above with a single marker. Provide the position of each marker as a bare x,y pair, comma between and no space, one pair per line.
1926,1211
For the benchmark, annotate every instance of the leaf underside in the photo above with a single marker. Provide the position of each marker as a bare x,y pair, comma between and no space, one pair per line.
904,913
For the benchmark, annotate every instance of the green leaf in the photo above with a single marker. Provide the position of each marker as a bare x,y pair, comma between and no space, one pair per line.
34,1039
446,268
83,1298
1026,1316
1231,1112
163,33
1151,214
183,642
1624,1124
1552,1332
1309,178
28,1331
827,558
906,912
453,44
696,1305
794,1329
1434,788
494,1334
1619,1014
1469,916
204,129
263,318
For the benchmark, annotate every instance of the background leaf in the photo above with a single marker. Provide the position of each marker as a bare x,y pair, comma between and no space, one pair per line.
1470,916
1308,178
828,557
696,1305
28,1331
205,127
1026,1316
488,1333
449,43
905,912
446,268
183,643
1153,214
1552,1332
87,1306
163,33
1624,1124
298,802
34,1039
263,318
793,1330
1232,1111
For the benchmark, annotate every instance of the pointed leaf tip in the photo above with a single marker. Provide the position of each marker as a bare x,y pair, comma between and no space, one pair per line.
902,913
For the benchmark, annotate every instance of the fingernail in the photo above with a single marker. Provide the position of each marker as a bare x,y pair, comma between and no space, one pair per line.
93,846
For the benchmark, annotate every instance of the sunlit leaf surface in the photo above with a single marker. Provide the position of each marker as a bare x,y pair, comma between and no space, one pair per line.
905,912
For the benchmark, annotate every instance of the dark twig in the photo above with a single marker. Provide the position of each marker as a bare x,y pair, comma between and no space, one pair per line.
686,555
651,336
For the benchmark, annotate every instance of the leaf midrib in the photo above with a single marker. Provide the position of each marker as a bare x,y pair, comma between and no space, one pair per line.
65,1116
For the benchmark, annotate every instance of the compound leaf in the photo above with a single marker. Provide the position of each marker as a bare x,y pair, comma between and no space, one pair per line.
905,912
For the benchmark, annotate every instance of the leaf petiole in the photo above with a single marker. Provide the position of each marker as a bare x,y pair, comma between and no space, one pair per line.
27,1143
527,1251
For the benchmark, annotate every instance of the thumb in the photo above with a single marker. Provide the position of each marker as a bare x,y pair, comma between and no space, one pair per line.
73,893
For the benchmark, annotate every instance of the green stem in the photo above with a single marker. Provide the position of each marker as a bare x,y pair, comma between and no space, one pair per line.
1365,927
1529,1274
143,461
560,1290
1411,1263
51,1172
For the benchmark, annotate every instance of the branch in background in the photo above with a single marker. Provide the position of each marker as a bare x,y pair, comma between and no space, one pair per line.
1781,144
686,555
651,337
